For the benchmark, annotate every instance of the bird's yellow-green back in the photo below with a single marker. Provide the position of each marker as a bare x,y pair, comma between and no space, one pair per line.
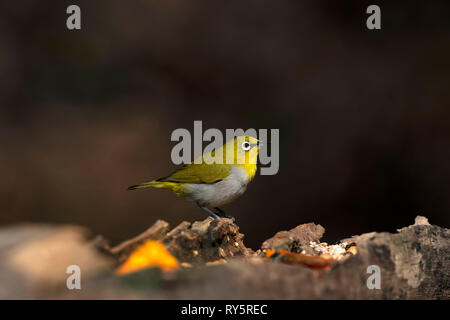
213,167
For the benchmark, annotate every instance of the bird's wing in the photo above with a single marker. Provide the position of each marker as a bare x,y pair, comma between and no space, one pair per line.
199,173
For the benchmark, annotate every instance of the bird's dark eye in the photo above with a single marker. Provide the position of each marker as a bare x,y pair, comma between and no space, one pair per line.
245,146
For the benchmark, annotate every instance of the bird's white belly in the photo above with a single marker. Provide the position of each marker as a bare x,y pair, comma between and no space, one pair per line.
222,192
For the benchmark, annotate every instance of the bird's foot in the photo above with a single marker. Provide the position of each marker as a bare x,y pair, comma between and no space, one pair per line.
213,216
223,214
230,217
217,214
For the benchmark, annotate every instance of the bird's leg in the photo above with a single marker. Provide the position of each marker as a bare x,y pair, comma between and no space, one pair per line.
224,214
212,215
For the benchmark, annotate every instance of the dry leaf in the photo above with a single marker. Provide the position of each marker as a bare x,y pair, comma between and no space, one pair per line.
313,262
352,250
151,254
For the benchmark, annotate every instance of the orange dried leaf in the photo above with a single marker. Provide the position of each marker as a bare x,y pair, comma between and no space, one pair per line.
214,263
269,252
352,250
313,262
151,254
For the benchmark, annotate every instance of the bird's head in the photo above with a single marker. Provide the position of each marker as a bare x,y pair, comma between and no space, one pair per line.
242,151
246,149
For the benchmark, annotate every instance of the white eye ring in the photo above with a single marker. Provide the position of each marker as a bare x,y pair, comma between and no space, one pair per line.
246,146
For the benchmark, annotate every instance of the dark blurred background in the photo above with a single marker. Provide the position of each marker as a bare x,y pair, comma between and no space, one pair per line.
364,116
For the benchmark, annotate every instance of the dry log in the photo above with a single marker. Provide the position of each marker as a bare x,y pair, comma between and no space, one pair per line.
413,263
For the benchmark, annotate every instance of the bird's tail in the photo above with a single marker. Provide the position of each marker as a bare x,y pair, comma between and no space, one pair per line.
175,187
145,185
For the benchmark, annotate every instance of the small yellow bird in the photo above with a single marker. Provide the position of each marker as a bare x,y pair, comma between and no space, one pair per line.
209,184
